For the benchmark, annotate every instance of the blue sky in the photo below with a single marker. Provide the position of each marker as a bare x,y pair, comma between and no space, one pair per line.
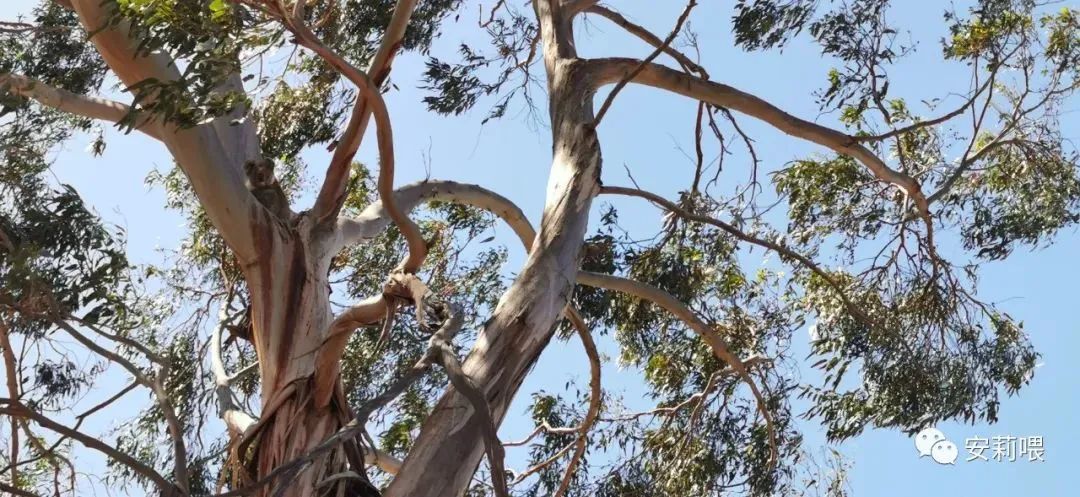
644,132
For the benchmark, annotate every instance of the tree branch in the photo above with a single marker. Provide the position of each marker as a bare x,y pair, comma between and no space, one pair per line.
12,372
482,411
718,345
328,359
479,197
72,103
641,66
582,442
333,191
14,408
235,419
932,122
648,37
155,385
572,8
610,70
741,235
217,180
332,195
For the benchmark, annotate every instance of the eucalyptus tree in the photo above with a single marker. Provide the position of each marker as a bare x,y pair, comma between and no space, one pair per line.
371,397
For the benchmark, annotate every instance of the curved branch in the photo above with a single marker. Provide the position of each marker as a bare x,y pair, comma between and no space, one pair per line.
328,358
333,191
718,345
932,122
611,70
582,442
572,8
461,381
101,109
235,419
482,198
332,195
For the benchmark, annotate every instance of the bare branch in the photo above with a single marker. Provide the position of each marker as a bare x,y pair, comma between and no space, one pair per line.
235,419
648,37
14,408
641,66
612,70
479,197
81,105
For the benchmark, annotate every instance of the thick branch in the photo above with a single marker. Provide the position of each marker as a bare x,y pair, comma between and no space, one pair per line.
217,181
72,103
572,8
328,360
333,191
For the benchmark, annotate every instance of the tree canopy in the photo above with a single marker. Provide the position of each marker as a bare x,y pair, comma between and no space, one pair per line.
368,339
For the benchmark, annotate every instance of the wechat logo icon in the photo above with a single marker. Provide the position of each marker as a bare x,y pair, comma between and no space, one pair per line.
932,442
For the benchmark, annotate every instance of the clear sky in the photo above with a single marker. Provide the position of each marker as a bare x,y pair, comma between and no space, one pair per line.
644,132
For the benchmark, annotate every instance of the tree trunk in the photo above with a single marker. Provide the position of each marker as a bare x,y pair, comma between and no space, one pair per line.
450,446
290,318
